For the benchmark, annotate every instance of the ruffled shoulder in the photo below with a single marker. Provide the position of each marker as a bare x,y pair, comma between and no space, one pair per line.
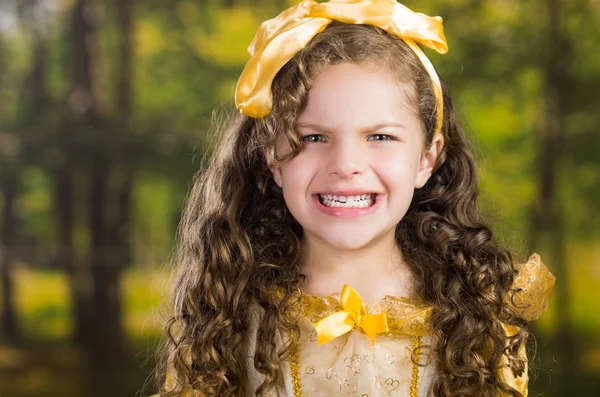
532,288
530,295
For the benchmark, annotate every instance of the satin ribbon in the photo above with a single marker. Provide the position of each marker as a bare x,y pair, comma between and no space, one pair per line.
353,316
279,39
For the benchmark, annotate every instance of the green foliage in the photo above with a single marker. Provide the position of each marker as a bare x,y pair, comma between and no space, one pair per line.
35,208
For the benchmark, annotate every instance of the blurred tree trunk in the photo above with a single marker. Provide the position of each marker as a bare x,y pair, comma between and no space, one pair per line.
548,220
82,113
34,99
9,185
78,276
105,330
106,324
127,153
112,182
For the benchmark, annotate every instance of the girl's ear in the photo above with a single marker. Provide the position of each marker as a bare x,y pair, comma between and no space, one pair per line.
428,161
276,171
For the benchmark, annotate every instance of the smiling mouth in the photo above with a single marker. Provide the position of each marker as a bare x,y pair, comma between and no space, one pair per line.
359,201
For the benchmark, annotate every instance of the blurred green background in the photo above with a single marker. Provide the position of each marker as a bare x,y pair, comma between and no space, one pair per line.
105,109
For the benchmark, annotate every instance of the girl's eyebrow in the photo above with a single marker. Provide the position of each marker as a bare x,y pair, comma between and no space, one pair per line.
375,127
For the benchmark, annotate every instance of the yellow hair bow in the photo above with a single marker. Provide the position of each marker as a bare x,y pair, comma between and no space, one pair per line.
279,39
352,316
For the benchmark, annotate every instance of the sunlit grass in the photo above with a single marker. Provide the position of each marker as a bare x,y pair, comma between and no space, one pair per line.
144,299
44,307
43,303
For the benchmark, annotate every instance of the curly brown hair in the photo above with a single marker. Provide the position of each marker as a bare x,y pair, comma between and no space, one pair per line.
237,240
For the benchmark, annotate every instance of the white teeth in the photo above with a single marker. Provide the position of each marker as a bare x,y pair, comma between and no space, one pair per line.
359,201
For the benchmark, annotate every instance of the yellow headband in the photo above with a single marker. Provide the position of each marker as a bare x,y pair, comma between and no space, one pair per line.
279,39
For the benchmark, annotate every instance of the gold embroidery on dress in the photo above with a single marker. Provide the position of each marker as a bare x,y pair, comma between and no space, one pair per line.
331,374
392,384
389,358
414,386
295,368
353,362
351,387
389,385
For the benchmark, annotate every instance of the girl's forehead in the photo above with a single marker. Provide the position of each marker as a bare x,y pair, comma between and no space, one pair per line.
351,95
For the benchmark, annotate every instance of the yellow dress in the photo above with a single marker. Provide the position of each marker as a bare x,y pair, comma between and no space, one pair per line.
353,364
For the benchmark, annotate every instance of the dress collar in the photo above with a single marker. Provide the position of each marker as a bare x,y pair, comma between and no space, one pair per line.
405,315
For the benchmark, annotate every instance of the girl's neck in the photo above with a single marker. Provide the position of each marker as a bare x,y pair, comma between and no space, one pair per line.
374,271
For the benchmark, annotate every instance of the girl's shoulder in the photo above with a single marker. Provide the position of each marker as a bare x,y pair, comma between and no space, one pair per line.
532,288
529,296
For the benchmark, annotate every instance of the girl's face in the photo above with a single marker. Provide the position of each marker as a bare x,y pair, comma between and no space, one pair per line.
361,139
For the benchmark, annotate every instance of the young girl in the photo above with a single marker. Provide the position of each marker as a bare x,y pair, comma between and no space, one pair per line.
333,246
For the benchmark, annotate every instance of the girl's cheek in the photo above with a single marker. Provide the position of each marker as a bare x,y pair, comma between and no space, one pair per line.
298,169
307,158
391,158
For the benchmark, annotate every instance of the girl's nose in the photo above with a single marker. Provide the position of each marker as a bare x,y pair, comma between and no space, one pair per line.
346,159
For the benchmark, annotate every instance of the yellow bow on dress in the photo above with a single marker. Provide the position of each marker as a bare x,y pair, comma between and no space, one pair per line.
352,316
279,39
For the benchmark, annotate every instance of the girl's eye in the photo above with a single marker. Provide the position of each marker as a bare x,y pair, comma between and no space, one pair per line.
312,138
381,137
315,138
